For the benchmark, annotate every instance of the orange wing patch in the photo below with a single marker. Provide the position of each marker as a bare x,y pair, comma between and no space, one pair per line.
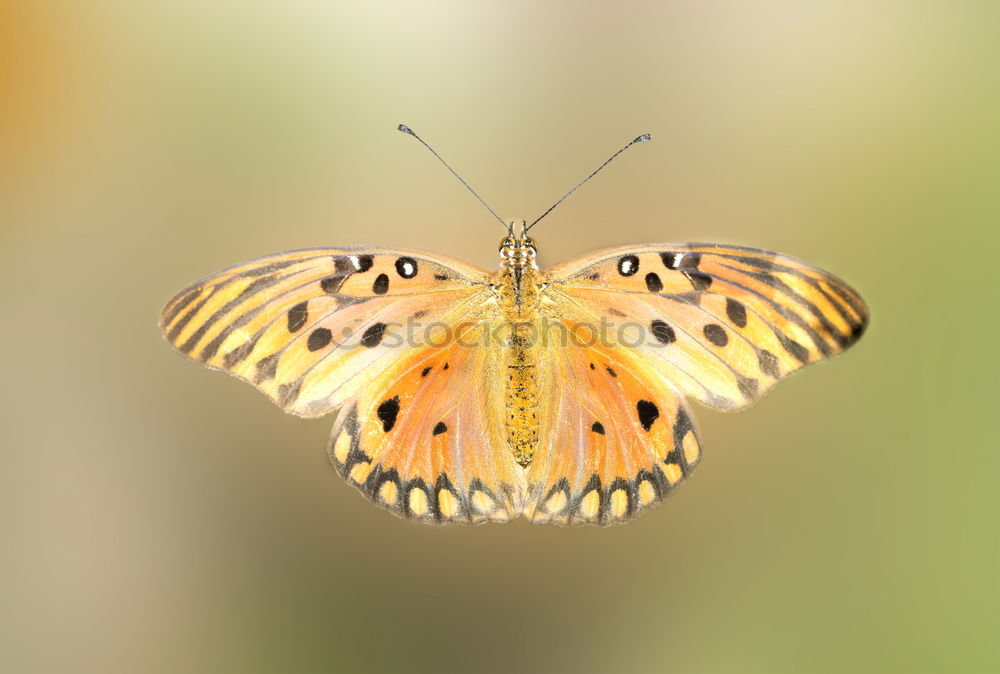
620,441
419,440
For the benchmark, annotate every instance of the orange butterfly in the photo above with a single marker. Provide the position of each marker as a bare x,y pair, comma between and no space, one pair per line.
557,395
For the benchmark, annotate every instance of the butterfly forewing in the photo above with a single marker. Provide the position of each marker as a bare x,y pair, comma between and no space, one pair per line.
307,327
723,324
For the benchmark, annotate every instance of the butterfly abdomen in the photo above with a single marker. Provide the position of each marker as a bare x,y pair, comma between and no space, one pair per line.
519,303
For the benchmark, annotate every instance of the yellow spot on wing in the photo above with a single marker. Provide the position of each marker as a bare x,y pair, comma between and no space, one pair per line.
342,447
418,501
646,492
556,503
360,472
388,493
619,502
447,503
691,449
482,503
673,472
590,503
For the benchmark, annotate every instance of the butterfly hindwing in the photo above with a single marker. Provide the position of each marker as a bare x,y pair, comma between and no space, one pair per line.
724,324
421,439
621,438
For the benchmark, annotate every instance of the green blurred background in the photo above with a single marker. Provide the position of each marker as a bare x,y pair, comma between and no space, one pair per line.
159,517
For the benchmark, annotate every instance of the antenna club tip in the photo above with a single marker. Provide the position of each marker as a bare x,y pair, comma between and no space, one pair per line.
405,129
643,138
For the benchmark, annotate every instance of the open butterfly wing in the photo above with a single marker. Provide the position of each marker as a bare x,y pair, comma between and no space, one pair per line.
723,324
308,327
422,439
619,439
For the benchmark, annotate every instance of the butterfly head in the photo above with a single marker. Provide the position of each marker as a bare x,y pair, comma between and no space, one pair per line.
517,249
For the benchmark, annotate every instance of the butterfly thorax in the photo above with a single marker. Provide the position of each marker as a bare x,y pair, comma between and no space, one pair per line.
520,281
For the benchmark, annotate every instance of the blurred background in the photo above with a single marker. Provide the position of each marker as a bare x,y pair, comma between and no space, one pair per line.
159,517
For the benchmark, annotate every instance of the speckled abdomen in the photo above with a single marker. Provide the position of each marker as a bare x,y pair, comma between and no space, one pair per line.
521,397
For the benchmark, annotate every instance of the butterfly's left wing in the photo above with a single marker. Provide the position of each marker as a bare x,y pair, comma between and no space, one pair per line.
423,439
619,436
724,324
391,337
309,327
638,329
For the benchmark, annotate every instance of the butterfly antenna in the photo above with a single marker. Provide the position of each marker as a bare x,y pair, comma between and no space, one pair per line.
407,130
641,139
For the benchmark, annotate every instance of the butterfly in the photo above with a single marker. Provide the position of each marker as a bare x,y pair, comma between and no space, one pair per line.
558,395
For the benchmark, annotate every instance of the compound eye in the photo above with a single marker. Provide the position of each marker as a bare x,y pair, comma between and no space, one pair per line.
508,242
530,243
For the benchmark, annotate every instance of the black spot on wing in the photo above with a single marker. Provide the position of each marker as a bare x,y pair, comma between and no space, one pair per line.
679,260
266,368
381,284
365,263
406,267
373,335
699,281
737,312
439,428
287,393
387,412
425,371
748,386
342,265
663,333
319,338
800,352
628,265
769,364
331,284
716,334
653,282
648,413
597,427
298,316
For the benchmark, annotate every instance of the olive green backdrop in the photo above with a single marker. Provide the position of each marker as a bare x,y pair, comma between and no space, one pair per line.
159,517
